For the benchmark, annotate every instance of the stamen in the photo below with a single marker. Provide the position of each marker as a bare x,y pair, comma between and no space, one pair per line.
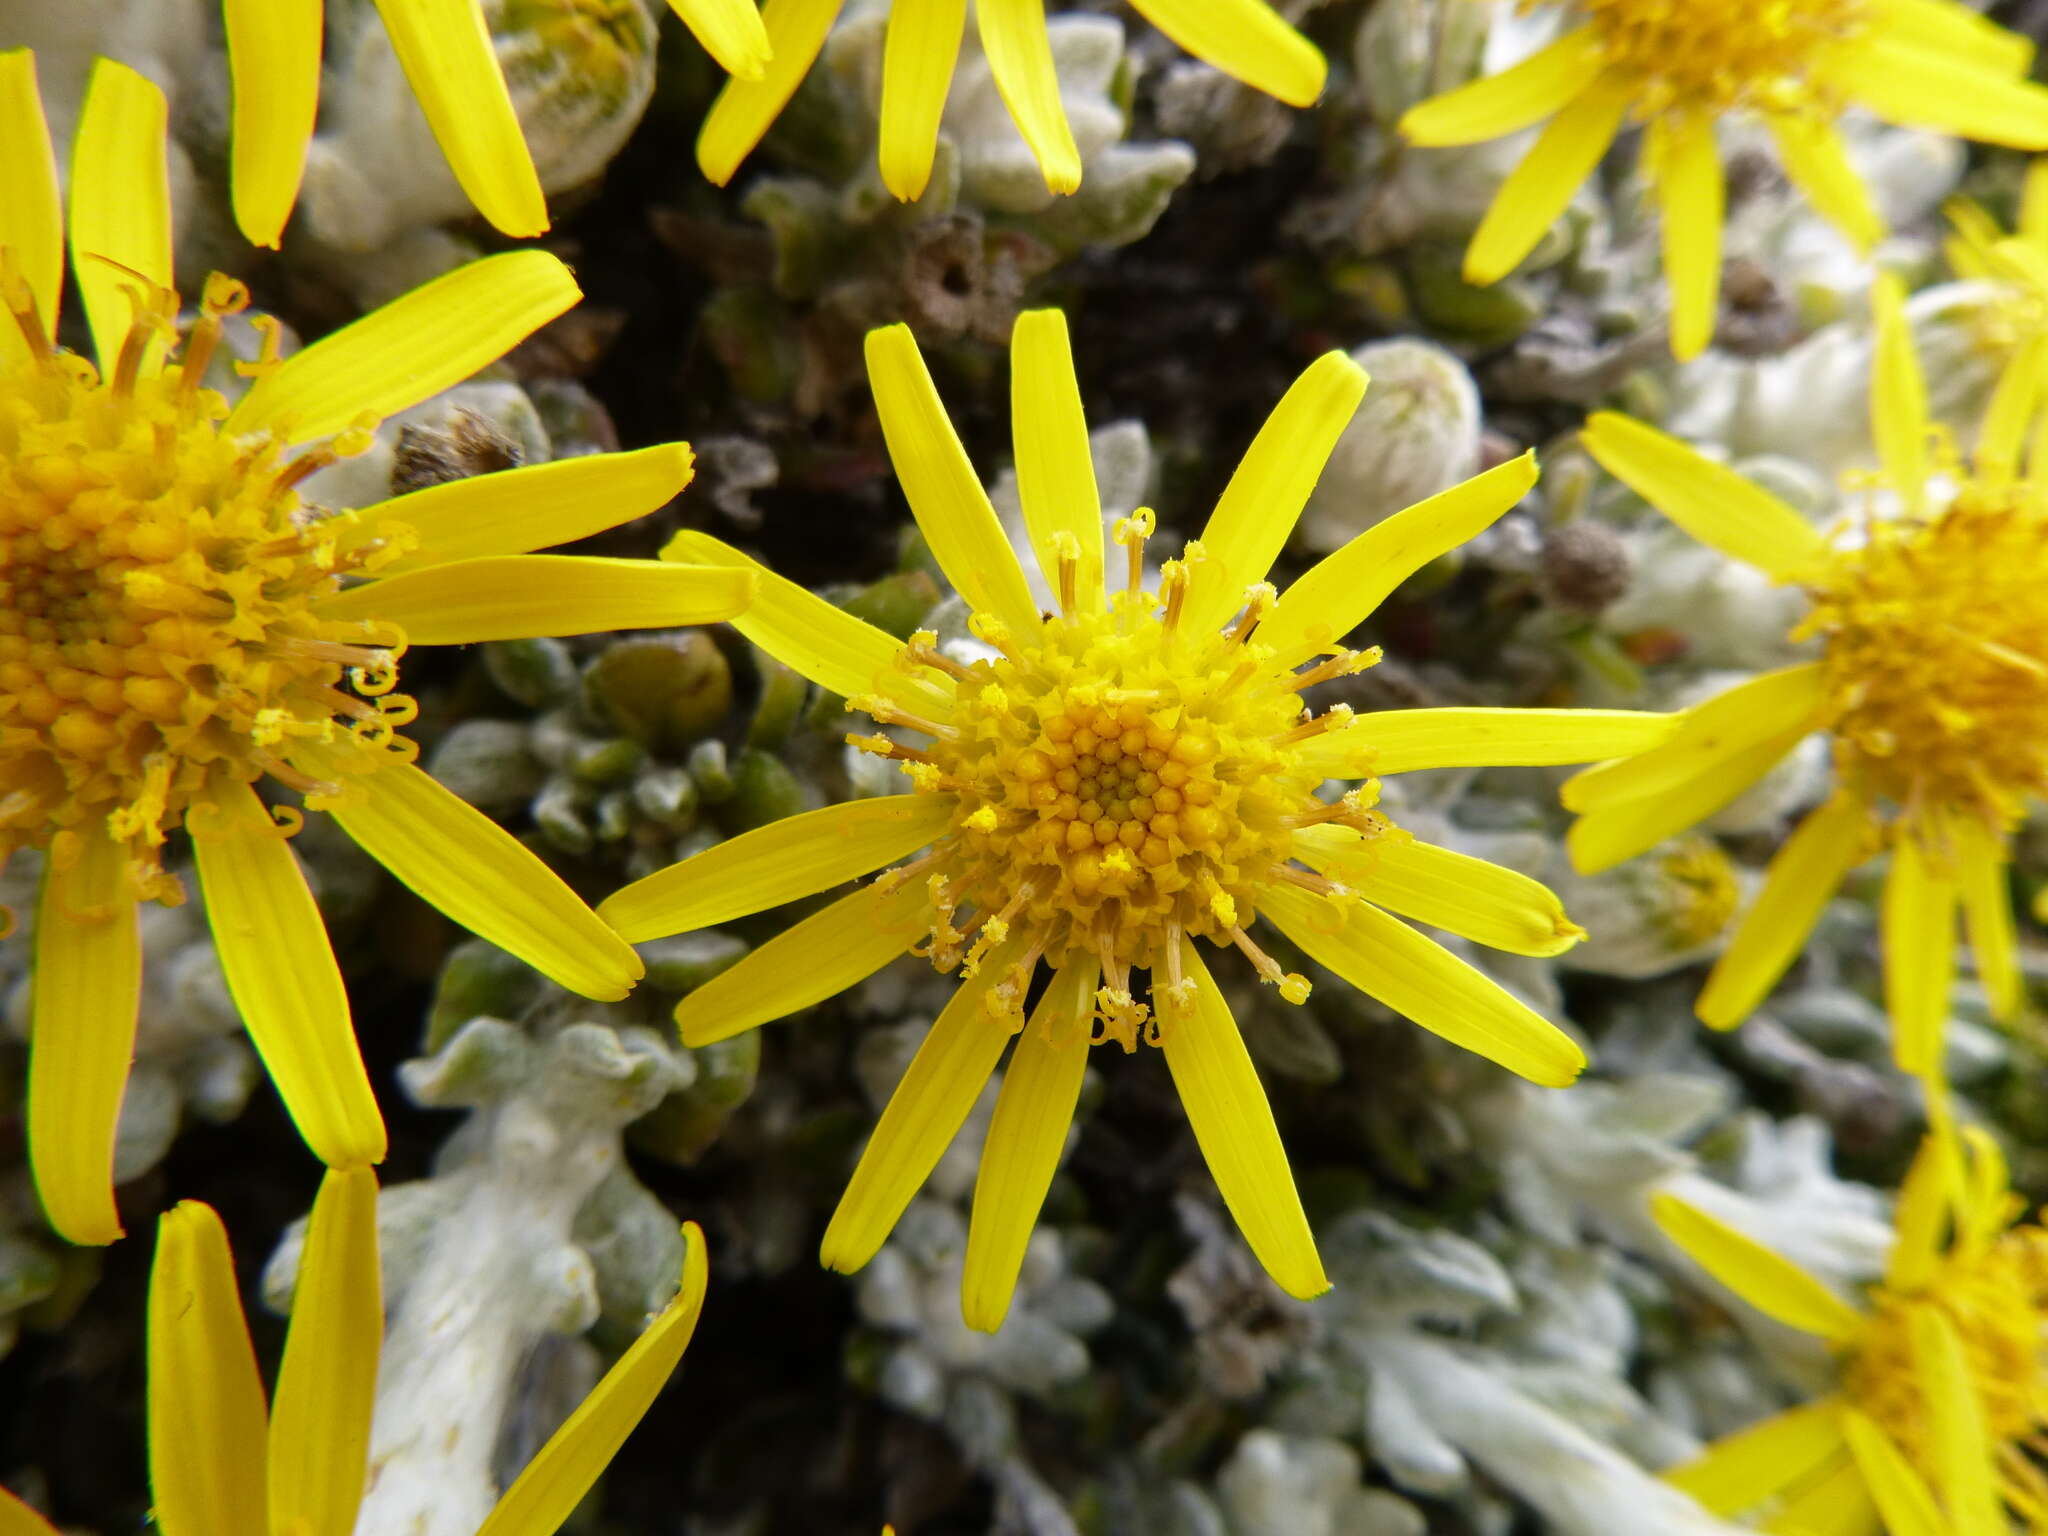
1132,532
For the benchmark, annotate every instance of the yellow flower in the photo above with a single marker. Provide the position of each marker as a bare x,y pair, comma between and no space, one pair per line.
1678,66
445,49
2013,326
1243,38
219,1461
1941,1387
1118,780
176,625
1932,682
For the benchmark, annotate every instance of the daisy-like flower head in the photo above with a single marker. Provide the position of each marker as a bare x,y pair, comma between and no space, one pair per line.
1111,784
176,625
221,1461
1932,683
1678,66
1941,1384
446,51
1245,39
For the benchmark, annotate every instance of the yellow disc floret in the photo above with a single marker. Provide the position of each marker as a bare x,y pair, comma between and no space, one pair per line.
1714,55
156,583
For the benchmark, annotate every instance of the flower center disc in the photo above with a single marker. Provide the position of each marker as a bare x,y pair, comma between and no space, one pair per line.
1712,55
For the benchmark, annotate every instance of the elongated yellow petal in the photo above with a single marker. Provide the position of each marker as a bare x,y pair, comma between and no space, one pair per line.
1541,186
274,67
206,1417
415,346
1519,97
1987,912
1453,891
1945,27
730,31
2014,407
1817,163
945,495
923,1115
530,508
1898,395
1896,79
918,55
458,859
1417,977
516,597
745,108
1340,591
2033,223
1768,1281
558,1477
1621,829
17,1519
1025,1137
1272,482
445,49
327,1386
31,217
1685,169
1233,1125
1965,1471
1245,39
828,645
1751,1467
274,952
1055,470
1020,59
1832,1502
821,956
1803,878
1709,501
1403,740
1918,920
1901,1497
1987,1205
786,859
120,205
87,989
1709,734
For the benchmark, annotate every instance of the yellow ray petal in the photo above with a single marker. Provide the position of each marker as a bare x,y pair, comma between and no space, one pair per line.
831,647
745,108
1621,829
1944,27
415,346
445,49
1901,1498
1340,591
1753,1466
1803,877
1987,912
1453,891
1920,1216
923,1115
274,66
1055,470
1245,39
821,956
1020,59
17,1519
458,859
1416,977
1817,163
1271,484
516,597
326,1387
1918,922
1708,735
1965,1471
1403,740
31,217
1519,97
1987,1205
2013,410
84,1001
918,54
1898,395
555,1481
1709,501
730,31
796,856
1541,186
2033,224
1685,171
1233,1125
1025,1137
274,952
206,1416
120,205
533,507
1901,81
1768,1281
945,495
1833,1502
